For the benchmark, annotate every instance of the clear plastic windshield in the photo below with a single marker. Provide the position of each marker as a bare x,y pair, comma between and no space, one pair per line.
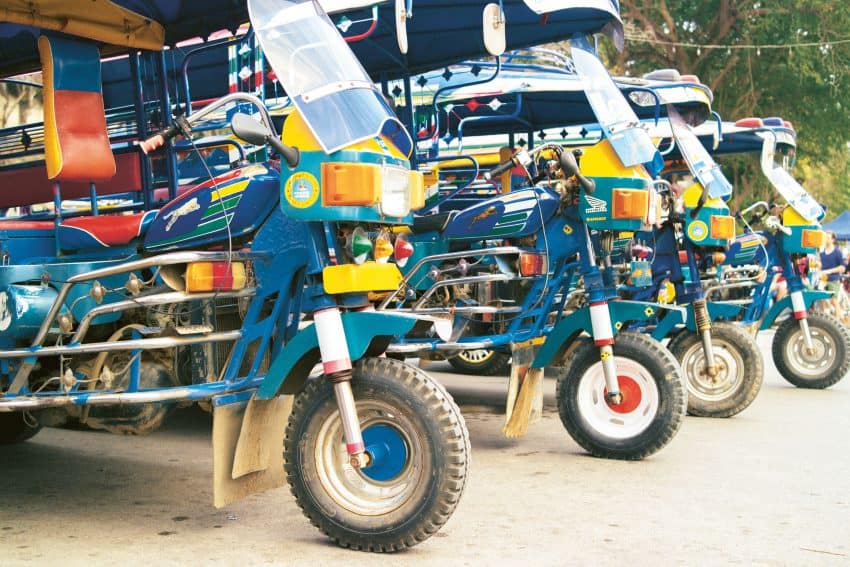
613,29
321,75
700,162
799,199
619,122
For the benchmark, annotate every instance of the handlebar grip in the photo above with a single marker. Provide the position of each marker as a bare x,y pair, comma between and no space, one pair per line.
499,169
158,140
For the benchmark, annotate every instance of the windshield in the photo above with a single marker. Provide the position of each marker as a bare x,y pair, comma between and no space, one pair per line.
700,162
619,122
799,199
324,79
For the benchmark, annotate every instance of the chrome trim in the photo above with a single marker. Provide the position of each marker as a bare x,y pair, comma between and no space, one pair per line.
112,346
461,281
154,299
161,260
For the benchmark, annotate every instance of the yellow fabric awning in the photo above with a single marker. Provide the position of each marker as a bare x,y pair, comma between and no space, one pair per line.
100,20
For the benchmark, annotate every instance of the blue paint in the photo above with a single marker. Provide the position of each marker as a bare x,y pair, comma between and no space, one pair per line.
388,451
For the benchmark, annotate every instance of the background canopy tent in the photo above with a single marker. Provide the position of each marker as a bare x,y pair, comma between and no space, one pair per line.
840,226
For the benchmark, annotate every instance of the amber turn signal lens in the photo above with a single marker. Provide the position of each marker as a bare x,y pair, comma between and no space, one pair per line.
532,264
630,204
813,238
722,227
350,184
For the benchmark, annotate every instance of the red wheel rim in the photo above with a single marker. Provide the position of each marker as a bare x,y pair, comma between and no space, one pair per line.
631,393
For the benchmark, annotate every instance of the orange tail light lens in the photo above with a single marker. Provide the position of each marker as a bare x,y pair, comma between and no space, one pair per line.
630,204
215,276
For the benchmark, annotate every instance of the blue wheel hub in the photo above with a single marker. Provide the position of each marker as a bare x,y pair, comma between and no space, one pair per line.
388,450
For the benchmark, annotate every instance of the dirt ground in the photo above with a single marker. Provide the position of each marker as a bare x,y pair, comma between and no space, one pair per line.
768,487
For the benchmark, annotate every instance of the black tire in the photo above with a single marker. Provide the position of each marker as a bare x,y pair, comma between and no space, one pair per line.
740,370
656,385
415,502
482,362
15,427
826,365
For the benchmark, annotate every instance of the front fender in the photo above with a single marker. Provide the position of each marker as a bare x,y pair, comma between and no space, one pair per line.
785,303
361,328
621,311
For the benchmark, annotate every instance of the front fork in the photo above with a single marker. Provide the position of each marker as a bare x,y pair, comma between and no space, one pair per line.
798,306
336,362
703,325
603,337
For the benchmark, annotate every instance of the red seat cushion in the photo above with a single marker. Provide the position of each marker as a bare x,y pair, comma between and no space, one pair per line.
110,230
25,225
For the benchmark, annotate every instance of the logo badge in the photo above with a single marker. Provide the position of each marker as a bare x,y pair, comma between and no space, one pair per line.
301,190
596,205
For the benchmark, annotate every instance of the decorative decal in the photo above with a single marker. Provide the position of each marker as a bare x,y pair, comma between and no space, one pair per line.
189,206
488,212
5,314
301,190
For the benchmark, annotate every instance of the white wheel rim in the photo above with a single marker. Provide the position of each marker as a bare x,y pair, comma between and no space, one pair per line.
810,365
730,371
477,356
594,409
349,487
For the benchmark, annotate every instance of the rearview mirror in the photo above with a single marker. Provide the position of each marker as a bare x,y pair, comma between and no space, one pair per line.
250,130
494,29
401,25
568,163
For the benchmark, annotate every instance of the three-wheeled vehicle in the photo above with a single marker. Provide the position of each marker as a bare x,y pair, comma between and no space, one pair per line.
112,316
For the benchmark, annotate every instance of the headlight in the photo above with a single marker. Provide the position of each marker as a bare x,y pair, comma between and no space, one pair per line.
395,191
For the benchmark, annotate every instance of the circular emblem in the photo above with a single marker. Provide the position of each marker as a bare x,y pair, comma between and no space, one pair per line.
301,190
568,229
697,230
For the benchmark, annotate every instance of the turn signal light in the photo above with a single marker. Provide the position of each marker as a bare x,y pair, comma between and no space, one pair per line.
722,227
359,245
402,250
532,264
813,238
417,190
350,184
630,204
718,258
215,276
383,247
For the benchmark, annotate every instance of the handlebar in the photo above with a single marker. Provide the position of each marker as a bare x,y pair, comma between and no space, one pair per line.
754,206
180,126
522,158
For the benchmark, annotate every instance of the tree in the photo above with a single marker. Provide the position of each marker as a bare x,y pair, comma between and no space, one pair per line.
717,40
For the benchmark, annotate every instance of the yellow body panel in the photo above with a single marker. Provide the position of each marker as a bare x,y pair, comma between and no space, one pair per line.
691,197
600,160
296,133
790,217
353,278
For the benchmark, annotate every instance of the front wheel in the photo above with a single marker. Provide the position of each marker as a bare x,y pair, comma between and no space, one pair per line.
419,446
653,405
822,366
481,362
17,427
739,370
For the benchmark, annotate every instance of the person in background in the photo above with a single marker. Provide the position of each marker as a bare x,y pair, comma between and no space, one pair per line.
832,266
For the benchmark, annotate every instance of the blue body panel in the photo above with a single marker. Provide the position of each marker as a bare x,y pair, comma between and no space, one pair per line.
510,215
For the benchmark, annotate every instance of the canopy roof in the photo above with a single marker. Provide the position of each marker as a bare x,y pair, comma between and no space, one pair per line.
840,225
526,98
440,32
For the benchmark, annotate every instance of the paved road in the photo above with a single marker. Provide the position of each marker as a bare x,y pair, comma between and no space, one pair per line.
770,486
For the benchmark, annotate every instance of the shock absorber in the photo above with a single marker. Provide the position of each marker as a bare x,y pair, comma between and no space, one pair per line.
603,337
798,306
703,324
336,363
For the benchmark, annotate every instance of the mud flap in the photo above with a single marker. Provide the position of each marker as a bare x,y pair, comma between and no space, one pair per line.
248,447
525,391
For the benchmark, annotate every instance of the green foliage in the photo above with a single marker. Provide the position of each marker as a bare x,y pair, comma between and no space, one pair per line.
806,85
